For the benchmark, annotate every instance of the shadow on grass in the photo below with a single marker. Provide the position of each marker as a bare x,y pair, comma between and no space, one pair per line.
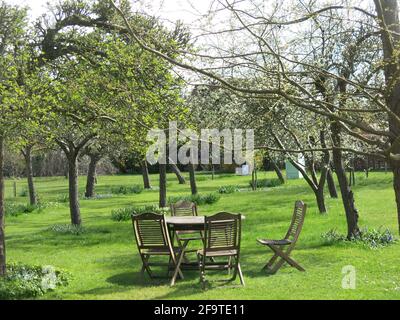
252,264
92,236
126,281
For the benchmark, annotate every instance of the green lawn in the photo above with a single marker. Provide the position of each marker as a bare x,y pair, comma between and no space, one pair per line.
105,265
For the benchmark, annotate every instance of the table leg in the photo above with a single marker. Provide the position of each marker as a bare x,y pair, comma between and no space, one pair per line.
179,262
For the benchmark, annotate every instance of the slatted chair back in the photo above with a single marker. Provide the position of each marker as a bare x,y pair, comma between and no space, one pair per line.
222,232
297,221
183,208
151,231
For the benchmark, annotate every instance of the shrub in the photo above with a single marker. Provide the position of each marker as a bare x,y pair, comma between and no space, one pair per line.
202,177
126,189
14,209
373,238
332,236
28,208
228,189
266,183
124,214
377,238
67,229
99,196
199,199
23,192
47,204
136,188
63,198
23,281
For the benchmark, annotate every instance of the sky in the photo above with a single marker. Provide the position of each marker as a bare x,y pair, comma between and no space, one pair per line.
212,32
173,10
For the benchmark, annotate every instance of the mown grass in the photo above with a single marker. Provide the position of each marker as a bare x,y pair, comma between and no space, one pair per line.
105,265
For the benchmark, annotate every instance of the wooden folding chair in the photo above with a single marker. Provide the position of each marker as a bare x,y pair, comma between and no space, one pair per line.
222,233
153,239
183,208
283,248
183,237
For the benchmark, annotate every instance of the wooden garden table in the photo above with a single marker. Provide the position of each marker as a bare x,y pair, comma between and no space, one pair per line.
186,223
183,223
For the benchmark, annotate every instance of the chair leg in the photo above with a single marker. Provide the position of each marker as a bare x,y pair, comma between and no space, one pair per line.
145,266
229,265
273,269
238,271
294,264
240,274
270,262
202,271
235,268
284,257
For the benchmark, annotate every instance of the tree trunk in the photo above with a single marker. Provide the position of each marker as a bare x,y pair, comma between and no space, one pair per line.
192,177
388,19
91,177
27,153
347,195
66,173
319,196
277,171
178,173
255,175
163,185
327,160
253,180
146,177
2,213
73,189
331,185
315,185
352,177
396,187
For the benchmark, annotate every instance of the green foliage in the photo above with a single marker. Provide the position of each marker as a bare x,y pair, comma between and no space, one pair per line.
99,196
67,229
47,204
126,189
267,183
122,214
125,214
202,177
228,189
14,209
23,192
372,238
63,198
333,236
199,199
23,281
